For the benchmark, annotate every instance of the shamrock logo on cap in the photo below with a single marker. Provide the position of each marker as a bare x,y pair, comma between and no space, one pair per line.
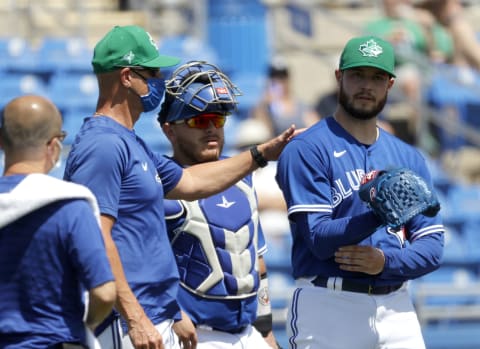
370,49
129,57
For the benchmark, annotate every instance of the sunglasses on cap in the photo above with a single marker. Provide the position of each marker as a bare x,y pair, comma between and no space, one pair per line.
203,121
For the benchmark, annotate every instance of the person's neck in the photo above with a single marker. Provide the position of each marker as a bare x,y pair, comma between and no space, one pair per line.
364,131
122,116
24,168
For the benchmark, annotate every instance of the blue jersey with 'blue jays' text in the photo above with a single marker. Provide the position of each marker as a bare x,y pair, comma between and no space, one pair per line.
129,183
48,257
216,242
320,172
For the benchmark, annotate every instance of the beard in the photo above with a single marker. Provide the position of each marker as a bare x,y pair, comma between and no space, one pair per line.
194,153
360,114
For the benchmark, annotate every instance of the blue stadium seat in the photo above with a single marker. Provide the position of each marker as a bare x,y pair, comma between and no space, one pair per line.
252,86
452,336
18,56
187,48
237,30
241,43
65,54
448,90
148,128
455,249
464,207
471,238
74,90
73,120
18,84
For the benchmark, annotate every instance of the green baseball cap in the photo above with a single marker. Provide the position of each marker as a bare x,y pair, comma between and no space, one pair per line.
128,46
368,51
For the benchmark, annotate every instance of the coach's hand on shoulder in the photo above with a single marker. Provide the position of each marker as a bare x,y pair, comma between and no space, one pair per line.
272,149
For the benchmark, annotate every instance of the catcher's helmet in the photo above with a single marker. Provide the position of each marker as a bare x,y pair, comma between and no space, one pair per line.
197,87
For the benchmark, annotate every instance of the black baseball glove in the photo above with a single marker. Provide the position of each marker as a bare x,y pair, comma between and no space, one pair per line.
398,195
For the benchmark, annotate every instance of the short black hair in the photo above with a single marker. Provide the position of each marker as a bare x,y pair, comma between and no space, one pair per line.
278,71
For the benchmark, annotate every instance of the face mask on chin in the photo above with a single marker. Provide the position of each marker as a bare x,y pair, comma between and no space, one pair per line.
58,163
156,90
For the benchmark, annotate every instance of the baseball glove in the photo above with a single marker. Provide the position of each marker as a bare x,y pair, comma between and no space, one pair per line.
398,195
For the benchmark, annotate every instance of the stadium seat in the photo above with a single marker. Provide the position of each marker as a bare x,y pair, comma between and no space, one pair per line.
18,84
452,336
74,90
455,249
252,86
65,54
18,56
471,238
73,120
148,128
464,201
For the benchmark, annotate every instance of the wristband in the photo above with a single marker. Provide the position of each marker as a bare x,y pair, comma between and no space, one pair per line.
259,159
263,323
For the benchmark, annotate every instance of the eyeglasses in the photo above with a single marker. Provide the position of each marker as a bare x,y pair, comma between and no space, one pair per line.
152,72
203,121
61,137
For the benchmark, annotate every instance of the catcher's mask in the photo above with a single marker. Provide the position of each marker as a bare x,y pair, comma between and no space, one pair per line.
195,88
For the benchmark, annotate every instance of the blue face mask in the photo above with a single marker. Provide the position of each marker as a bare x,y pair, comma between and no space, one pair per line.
156,90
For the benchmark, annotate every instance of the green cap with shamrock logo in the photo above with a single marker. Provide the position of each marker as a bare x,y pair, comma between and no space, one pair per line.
368,51
128,46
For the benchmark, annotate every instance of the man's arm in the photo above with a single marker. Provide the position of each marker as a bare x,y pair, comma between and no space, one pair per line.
100,303
140,329
209,178
264,323
186,332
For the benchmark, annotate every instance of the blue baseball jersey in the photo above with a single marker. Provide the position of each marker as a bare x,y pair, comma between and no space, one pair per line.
47,259
320,172
216,242
129,182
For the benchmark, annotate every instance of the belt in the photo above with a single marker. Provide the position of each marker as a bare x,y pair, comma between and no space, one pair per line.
231,331
353,286
66,346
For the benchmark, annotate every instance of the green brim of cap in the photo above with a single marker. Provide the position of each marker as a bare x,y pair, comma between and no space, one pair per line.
162,61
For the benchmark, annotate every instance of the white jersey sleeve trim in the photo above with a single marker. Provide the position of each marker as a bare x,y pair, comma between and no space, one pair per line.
438,228
310,208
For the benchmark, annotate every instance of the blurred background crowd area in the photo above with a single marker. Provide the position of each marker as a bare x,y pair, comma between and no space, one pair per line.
282,55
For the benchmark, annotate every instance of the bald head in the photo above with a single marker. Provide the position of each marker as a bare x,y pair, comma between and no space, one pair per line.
28,122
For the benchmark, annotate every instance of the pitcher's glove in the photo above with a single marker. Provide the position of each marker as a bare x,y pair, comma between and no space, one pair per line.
398,195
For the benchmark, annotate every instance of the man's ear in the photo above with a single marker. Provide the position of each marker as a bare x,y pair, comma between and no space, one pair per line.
168,131
126,77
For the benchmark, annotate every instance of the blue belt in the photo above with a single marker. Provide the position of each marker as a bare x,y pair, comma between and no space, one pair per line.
354,286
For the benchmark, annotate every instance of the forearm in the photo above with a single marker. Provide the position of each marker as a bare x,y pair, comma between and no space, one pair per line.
100,303
325,235
421,257
126,303
264,321
204,179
